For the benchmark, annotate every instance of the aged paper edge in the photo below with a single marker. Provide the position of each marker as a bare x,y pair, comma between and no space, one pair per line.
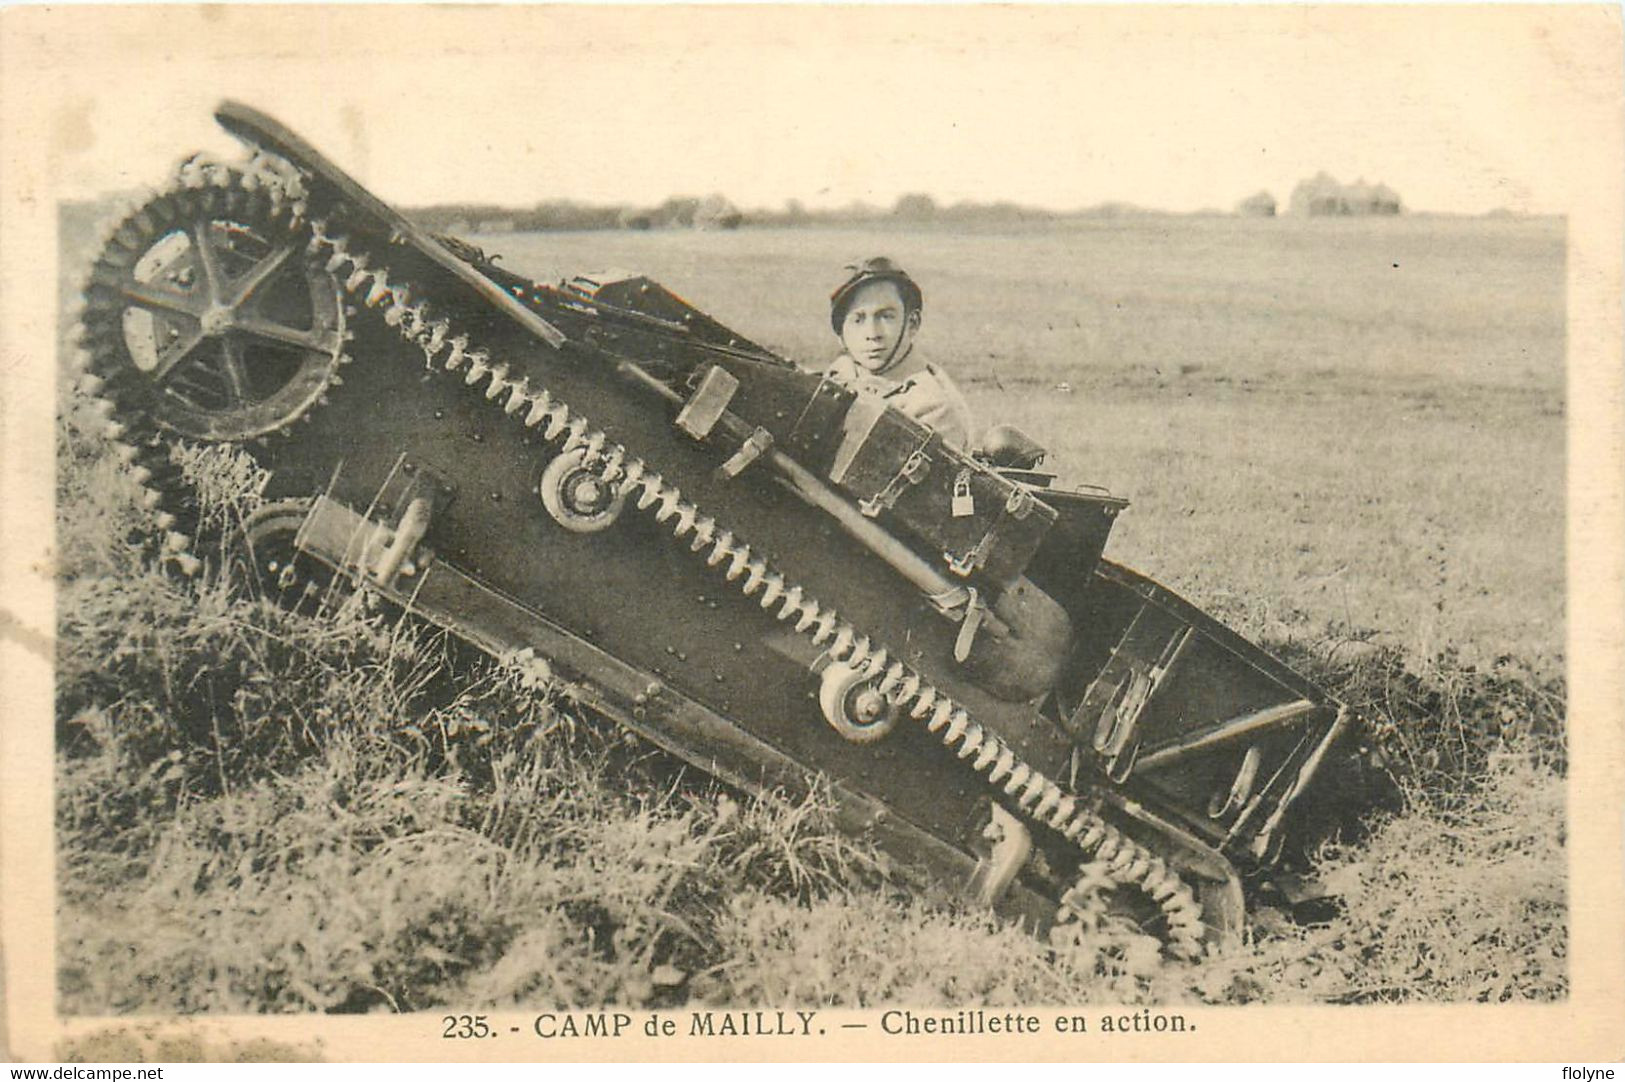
37,70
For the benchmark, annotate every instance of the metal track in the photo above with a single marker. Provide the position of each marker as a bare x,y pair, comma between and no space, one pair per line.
1108,850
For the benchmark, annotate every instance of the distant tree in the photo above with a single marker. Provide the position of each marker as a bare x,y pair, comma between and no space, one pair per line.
1322,195
1002,212
1114,209
1260,204
568,214
459,217
915,207
716,211
678,211
1384,200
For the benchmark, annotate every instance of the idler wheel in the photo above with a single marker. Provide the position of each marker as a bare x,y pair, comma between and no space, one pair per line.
284,574
204,312
854,706
577,496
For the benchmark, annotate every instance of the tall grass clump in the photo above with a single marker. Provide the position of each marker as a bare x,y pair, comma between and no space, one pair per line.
1458,893
1464,901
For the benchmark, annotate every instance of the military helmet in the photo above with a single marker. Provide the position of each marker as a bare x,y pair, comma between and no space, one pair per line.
878,269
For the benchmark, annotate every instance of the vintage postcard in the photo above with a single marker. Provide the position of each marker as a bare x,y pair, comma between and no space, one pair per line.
811,533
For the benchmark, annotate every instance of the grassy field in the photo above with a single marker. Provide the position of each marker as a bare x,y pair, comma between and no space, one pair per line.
1344,438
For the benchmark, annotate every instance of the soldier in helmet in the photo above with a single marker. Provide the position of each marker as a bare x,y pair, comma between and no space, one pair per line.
875,312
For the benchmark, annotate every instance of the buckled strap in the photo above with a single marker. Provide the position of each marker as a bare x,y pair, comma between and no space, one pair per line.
913,472
975,610
975,614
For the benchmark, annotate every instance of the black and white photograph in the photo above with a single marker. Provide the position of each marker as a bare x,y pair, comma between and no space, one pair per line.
811,532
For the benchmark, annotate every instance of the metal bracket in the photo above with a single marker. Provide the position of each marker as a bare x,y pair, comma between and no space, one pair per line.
1012,843
405,504
411,478
819,422
1020,504
710,400
1262,792
860,420
413,525
970,561
1241,788
759,443
1116,733
913,472
1267,845
1115,702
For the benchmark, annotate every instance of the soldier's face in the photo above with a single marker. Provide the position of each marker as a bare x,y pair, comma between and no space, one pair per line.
877,327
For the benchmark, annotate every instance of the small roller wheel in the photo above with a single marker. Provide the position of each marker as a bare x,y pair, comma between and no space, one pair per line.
854,706
577,496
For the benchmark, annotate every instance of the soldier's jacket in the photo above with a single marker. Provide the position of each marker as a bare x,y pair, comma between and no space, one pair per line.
929,397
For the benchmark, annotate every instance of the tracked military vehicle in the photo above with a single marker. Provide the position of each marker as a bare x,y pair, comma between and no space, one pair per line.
781,582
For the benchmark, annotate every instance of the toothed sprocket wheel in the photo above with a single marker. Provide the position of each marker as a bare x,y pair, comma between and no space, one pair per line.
204,315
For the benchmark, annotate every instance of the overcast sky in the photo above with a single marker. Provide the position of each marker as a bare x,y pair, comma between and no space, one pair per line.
1459,110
